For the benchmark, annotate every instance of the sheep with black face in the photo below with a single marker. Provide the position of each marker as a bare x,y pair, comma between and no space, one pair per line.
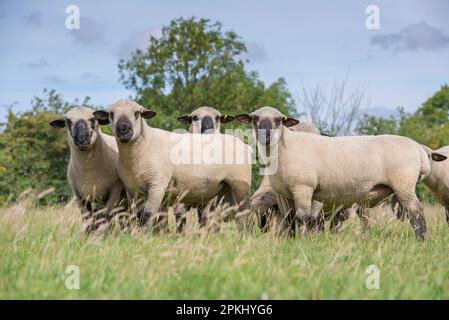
92,173
148,170
205,120
339,170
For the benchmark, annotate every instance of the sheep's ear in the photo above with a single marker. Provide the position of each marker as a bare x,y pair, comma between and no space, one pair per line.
147,114
244,118
185,119
58,124
289,122
438,157
102,116
225,118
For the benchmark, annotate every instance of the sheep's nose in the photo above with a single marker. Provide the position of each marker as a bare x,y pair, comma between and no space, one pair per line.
81,139
207,125
123,128
264,130
80,133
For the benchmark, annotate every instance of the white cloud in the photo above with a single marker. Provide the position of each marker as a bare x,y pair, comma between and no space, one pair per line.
412,37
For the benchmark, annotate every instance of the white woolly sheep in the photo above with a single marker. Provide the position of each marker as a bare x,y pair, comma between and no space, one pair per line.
338,170
437,181
91,173
147,168
202,120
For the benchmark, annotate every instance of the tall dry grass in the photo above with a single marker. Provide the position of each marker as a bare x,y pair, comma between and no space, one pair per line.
38,244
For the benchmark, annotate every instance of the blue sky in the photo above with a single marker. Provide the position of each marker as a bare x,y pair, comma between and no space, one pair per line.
401,64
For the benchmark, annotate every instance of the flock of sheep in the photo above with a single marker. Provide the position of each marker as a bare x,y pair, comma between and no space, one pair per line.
316,177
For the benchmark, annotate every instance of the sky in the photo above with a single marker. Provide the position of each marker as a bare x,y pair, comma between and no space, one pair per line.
402,63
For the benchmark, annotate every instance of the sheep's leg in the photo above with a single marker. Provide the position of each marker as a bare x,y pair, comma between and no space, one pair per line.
288,223
274,217
112,205
87,214
202,216
337,222
397,208
136,212
179,211
415,214
316,221
364,220
155,195
286,220
262,218
302,197
241,194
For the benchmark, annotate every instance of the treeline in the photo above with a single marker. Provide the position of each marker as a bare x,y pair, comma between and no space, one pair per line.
193,63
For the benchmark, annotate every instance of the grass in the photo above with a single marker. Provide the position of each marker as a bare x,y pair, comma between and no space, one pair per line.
37,245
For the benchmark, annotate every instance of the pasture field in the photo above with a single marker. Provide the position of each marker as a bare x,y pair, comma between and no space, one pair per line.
37,245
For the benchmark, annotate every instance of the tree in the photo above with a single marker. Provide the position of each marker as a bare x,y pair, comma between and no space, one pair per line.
194,63
32,154
333,110
428,125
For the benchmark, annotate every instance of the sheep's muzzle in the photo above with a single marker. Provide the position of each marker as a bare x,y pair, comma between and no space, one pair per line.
81,135
124,130
207,125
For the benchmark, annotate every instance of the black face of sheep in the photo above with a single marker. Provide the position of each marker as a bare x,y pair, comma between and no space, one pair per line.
124,129
205,120
80,131
267,123
126,118
81,127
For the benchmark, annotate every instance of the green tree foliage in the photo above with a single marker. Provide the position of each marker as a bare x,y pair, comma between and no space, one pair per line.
194,63
429,125
32,154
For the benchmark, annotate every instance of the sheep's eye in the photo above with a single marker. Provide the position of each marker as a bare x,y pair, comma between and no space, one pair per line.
136,114
217,118
92,122
195,118
255,118
69,123
277,121
112,115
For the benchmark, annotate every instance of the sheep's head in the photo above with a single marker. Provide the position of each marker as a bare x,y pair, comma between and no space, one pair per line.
205,120
126,118
81,125
267,124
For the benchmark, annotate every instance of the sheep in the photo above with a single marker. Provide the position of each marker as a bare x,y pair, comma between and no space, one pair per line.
148,168
265,204
437,181
205,120
91,172
338,170
202,120
263,201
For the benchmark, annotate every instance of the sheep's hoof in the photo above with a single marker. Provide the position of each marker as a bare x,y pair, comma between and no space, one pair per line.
143,216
